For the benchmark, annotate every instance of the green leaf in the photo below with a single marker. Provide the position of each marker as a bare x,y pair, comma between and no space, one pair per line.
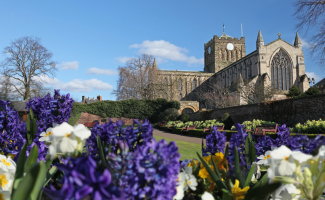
101,152
261,192
31,184
252,152
31,112
247,148
226,151
215,167
216,178
226,195
32,158
21,162
50,174
237,169
249,176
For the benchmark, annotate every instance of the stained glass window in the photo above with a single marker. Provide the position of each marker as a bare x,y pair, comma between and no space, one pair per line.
280,70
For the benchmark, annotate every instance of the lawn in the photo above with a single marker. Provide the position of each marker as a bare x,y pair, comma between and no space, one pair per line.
186,149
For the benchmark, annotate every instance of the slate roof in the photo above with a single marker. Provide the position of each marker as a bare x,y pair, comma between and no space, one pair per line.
19,105
320,83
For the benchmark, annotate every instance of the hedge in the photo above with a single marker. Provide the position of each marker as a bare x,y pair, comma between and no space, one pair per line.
132,108
199,133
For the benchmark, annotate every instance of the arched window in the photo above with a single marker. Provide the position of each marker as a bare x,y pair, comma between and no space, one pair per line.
223,80
244,70
230,76
281,71
180,97
194,83
249,68
165,88
224,55
234,55
179,84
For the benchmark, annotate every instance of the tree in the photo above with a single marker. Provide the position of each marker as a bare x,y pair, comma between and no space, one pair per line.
216,96
139,79
310,13
255,92
27,64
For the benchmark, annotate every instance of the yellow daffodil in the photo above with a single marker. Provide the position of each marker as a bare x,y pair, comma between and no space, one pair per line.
238,193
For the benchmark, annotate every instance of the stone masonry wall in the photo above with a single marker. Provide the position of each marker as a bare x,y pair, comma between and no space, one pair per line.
288,111
89,118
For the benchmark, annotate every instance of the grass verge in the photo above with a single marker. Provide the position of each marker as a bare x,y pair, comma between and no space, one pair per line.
186,149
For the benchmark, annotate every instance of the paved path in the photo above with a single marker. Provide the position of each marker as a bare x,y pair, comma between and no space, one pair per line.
173,136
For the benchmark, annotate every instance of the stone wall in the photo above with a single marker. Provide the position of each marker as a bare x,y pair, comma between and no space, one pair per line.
288,111
89,118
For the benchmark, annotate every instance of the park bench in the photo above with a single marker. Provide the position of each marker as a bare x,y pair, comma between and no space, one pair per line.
260,130
160,124
185,130
90,125
169,128
208,129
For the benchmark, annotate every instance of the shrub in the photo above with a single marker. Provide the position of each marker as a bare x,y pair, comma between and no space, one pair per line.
103,120
185,118
314,127
294,92
170,114
226,119
312,91
103,115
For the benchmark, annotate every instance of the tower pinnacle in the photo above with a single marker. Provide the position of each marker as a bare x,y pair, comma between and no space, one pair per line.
259,41
297,41
154,63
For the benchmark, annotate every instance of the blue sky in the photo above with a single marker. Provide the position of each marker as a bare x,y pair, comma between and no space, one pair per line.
91,39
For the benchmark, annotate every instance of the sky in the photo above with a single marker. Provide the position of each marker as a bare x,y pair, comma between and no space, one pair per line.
91,39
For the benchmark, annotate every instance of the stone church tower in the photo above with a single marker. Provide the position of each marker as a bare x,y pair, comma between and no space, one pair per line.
222,51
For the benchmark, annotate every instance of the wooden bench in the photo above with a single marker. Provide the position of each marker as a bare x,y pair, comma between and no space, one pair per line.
160,124
260,130
90,125
208,129
169,128
185,130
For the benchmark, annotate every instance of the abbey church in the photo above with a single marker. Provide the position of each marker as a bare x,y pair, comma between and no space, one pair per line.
278,64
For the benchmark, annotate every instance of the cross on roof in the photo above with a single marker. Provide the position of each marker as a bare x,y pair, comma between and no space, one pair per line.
279,34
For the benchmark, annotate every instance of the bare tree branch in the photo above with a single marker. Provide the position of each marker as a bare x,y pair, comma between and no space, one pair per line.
27,61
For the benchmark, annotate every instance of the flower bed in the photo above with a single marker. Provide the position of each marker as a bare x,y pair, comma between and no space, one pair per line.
54,159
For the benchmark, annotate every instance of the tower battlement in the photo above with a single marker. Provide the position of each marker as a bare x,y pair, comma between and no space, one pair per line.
225,39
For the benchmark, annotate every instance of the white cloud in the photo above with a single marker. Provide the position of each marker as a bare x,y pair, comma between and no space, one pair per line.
164,51
306,44
123,59
77,85
101,71
69,65
313,75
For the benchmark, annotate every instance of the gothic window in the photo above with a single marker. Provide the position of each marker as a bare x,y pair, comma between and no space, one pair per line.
180,97
179,84
223,79
244,70
194,83
228,55
235,70
249,68
224,55
281,70
234,54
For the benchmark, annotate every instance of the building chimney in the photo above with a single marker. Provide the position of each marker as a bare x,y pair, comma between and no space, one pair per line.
99,98
83,99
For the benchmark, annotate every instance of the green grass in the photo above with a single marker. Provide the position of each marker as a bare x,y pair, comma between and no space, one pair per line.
186,149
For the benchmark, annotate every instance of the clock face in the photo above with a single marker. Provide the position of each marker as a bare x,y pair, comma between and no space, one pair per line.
209,50
230,46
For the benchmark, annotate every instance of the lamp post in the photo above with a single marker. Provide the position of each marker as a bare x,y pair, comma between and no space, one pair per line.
311,81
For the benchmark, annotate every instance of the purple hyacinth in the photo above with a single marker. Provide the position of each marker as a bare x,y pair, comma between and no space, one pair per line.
215,142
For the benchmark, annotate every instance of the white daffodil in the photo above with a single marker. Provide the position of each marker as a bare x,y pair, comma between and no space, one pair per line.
180,192
68,139
281,161
46,136
187,179
321,152
263,158
7,164
207,196
4,195
287,192
6,180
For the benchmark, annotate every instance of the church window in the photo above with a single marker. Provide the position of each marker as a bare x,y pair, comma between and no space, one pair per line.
180,97
234,55
223,79
165,85
179,84
244,71
235,71
281,70
194,84
224,55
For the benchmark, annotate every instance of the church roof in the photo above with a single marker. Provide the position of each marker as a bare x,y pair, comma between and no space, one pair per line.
224,35
320,83
277,40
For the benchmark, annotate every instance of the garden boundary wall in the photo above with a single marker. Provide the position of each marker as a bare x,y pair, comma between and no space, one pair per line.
289,111
89,118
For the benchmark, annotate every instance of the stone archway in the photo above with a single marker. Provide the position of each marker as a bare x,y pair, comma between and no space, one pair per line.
188,107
